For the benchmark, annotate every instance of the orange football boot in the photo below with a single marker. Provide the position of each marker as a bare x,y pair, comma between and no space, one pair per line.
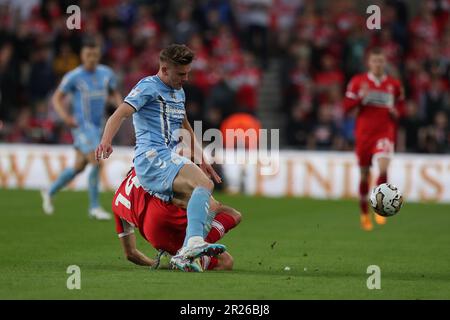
380,219
366,222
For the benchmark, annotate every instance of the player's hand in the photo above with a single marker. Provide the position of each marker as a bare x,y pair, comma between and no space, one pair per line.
70,122
363,92
103,151
210,172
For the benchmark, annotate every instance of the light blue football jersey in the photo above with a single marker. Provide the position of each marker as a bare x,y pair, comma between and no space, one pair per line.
159,113
89,92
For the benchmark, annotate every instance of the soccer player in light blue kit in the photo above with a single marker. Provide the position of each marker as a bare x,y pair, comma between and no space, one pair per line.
157,106
89,85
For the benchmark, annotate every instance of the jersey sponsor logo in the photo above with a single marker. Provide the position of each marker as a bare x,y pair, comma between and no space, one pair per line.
176,111
379,98
96,93
173,111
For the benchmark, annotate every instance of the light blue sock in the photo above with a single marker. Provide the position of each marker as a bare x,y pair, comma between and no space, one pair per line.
197,210
93,187
64,178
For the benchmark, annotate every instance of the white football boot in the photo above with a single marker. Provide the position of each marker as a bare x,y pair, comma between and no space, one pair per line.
99,214
197,247
47,204
186,265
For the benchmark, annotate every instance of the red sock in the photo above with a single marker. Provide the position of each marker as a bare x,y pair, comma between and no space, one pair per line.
382,179
363,191
221,224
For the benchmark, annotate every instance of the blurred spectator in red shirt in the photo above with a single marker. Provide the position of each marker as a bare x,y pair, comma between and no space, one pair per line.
246,81
120,50
424,25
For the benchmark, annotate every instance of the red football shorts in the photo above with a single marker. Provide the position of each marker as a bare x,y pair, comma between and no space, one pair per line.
367,149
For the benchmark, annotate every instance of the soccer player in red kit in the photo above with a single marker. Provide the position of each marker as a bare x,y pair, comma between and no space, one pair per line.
379,102
163,225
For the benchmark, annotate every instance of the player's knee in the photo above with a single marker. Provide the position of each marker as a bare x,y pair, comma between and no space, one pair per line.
237,216
98,164
79,168
203,183
208,184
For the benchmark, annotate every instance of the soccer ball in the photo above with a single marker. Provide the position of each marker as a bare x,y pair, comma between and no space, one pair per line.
386,200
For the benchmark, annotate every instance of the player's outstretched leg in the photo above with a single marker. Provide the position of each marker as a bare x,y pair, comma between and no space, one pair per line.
383,164
197,211
191,180
95,210
366,222
64,178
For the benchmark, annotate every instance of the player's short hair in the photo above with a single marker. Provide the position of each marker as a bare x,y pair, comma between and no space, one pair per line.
90,43
177,54
375,51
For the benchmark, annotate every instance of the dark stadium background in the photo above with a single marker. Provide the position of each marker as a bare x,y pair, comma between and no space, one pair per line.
285,62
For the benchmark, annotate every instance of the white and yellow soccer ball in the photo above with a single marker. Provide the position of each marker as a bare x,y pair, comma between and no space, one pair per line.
386,200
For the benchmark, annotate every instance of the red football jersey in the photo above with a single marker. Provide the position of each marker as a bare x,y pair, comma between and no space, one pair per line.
130,202
374,117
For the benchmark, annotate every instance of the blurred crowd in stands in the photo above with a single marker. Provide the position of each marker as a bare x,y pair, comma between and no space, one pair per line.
320,46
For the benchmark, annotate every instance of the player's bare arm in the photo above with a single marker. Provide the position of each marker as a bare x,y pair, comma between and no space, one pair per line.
132,254
196,149
60,108
113,124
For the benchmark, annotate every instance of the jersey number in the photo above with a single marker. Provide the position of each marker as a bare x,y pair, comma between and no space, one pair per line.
131,182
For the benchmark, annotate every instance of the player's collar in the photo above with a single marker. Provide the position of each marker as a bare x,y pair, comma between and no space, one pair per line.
373,78
167,86
89,71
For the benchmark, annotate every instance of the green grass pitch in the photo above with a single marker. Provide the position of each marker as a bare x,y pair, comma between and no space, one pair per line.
320,241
